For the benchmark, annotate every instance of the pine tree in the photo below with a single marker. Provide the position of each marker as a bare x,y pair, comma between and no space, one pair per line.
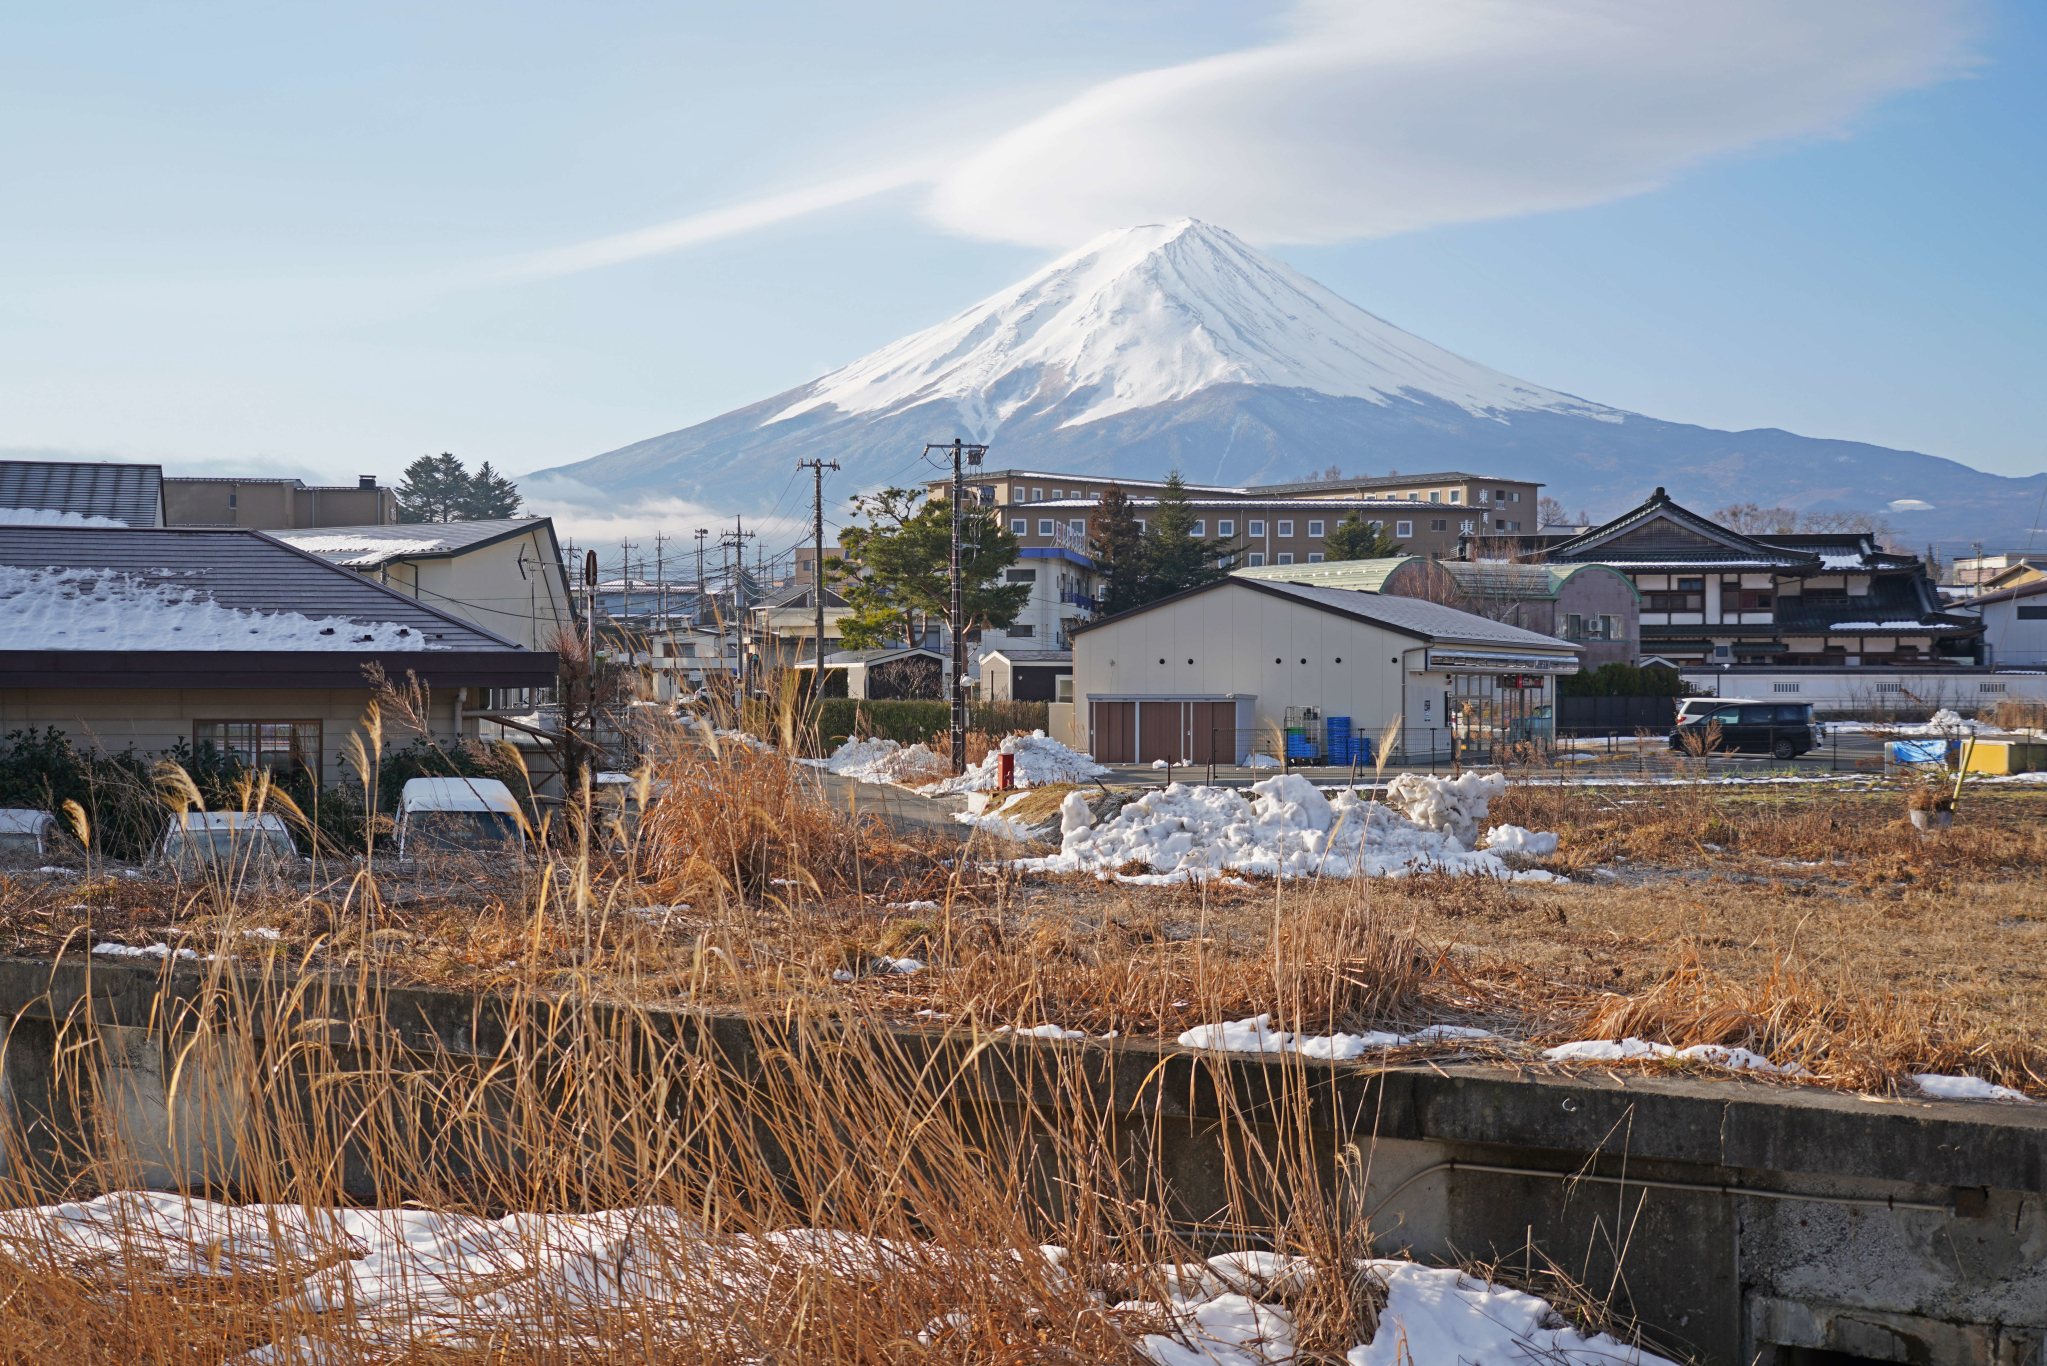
490,495
1116,544
896,571
1175,559
1354,538
433,489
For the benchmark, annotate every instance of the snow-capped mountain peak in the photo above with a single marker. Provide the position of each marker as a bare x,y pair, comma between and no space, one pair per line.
1150,315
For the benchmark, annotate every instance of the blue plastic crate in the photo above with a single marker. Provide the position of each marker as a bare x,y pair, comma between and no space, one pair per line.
1299,747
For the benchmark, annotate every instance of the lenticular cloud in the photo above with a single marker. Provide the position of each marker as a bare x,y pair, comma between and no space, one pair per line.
1382,116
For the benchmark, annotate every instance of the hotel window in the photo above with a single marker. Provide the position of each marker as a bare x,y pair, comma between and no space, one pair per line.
1045,525
1403,528
1077,526
1254,560
1754,601
1439,524
1284,529
1435,495
1314,528
1037,495
282,747
1019,527
1314,557
1140,526
1413,497
1283,558
1254,527
1057,494
1200,527
1226,527
1689,597
1456,495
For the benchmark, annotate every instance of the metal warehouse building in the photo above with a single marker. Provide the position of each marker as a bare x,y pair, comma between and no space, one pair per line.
1218,672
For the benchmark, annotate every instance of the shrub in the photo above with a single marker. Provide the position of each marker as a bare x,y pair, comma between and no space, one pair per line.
911,722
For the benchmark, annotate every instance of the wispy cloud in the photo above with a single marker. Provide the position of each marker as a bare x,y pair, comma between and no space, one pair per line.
1374,117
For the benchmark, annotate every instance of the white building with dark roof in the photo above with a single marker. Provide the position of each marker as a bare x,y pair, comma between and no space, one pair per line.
152,638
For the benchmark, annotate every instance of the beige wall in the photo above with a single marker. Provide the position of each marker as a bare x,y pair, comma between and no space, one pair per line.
485,586
152,720
270,505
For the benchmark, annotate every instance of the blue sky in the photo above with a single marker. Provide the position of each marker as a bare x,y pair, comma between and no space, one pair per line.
327,240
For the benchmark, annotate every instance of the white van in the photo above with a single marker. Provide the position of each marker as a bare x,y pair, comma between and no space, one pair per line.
26,829
225,841
458,815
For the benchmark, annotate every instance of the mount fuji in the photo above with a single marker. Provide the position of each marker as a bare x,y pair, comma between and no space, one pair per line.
1178,346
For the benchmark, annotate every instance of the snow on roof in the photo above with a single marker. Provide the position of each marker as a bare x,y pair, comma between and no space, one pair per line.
457,794
164,609
21,820
231,820
1852,560
1913,625
52,517
365,547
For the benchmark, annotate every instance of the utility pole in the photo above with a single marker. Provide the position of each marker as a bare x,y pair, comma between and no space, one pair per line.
660,581
697,615
817,469
735,551
625,578
971,455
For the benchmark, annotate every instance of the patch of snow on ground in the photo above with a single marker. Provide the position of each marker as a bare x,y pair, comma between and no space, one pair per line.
111,609
1040,762
156,951
1256,1035
1044,1031
1713,1054
396,1280
1948,1087
1260,761
1287,829
1516,839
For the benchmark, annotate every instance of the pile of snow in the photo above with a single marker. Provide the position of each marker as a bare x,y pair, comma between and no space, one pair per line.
1040,762
882,761
1288,829
1455,805
1261,761
160,952
1519,839
1944,722
1713,1054
52,517
112,609
1949,1087
392,1281
1256,1035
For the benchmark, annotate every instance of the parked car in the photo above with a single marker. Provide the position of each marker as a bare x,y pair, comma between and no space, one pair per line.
472,815
1696,708
225,841
26,829
1782,729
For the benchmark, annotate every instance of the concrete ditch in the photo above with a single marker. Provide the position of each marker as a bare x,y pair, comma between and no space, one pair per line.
1738,1221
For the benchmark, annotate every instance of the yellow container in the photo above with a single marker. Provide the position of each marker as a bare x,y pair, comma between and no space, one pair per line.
2005,756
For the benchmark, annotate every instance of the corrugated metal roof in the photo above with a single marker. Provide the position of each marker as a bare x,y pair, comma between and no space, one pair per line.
130,494
366,547
239,570
1365,576
1438,623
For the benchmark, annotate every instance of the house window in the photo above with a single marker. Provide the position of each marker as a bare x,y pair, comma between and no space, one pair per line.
1283,558
1021,575
1140,526
1037,495
1254,560
1021,631
1058,494
1077,526
1435,495
282,747
1456,495
1254,527
1045,525
1200,527
1019,527
1314,528
1513,497
1314,557
1403,528
1226,527
1574,627
1677,602
1439,524
1284,529
1754,601
2033,614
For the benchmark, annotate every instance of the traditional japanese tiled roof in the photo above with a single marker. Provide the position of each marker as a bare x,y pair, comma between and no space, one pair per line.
1661,535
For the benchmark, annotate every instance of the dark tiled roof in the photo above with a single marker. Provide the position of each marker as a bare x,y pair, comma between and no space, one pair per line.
798,596
127,493
1031,656
240,570
1692,540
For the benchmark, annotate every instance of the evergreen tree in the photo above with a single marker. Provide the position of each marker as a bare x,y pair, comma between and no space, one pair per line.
1116,543
1175,559
1354,538
433,489
490,495
896,571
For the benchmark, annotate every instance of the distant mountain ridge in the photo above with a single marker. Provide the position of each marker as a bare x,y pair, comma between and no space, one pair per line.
1178,346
